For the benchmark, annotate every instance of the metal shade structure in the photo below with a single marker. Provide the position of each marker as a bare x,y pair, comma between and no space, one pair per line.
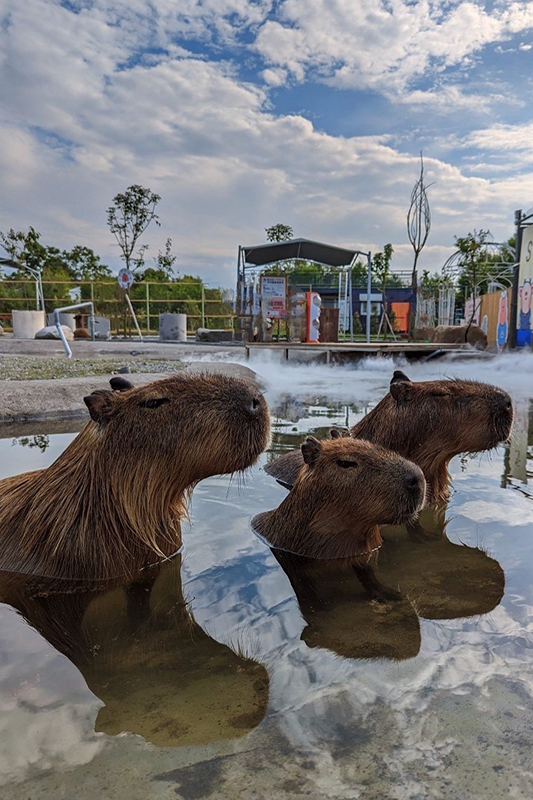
262,255
305,249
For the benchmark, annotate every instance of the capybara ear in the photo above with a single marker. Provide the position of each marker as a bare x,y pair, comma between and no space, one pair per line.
120,384
311,450
335,433
99,404
400,385
399,376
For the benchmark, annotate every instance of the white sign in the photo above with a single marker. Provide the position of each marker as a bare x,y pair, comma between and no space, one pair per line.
125,278
273,296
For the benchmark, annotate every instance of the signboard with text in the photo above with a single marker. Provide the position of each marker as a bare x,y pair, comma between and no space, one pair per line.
273,296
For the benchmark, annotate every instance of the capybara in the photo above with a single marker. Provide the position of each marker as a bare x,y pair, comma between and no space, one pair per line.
346,489
112,501
436,578
461,334
158,674
429,423
81,333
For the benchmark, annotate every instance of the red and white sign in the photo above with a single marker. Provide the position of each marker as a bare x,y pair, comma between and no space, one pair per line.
273,296
125,278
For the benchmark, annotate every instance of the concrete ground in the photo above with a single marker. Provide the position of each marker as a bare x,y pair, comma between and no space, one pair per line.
116,348
38,382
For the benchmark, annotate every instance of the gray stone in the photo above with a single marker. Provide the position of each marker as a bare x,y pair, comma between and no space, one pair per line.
213,335
51,332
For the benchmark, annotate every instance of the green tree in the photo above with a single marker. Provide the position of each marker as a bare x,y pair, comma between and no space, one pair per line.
473,263
163,269
24,248
85,265
128,218
381,266
279,233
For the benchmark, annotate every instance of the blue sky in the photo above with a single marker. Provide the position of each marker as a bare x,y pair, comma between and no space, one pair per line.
241,114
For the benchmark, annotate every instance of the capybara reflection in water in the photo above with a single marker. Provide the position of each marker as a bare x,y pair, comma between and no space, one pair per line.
112,502
156,671
436,579
346,489
428,423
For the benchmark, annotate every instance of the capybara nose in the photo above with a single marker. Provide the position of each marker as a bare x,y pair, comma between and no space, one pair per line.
254,404
412,482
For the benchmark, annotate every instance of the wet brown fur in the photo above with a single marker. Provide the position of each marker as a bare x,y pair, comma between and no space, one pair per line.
113,500
429,423
334,510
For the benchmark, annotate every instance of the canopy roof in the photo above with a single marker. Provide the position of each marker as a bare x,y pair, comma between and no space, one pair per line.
298,248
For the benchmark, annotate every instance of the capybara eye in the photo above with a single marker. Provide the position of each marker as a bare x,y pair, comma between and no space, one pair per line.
154,402
346,464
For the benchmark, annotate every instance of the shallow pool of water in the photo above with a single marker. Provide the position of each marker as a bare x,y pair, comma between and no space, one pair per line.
226,673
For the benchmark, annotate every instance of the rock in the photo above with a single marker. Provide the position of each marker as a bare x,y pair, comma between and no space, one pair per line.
213,335
51,332
423,334
124,370
459,334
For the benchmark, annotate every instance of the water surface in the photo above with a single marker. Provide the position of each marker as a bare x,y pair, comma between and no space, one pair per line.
228,672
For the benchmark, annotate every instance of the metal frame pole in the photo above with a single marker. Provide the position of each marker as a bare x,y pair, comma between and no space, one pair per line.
350,305
516,279
368,293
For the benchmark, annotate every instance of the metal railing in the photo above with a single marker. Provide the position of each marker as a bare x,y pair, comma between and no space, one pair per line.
148,299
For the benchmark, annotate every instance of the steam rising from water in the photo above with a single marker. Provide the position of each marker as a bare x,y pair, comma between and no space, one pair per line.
368,379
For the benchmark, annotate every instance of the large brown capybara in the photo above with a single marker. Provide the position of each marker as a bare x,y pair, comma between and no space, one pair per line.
346,489
436,579
112,502
142,653
429,423
461,334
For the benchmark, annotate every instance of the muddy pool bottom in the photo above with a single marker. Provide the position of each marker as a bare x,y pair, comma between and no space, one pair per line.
227,672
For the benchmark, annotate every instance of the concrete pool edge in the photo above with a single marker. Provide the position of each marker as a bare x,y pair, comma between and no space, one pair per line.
62,398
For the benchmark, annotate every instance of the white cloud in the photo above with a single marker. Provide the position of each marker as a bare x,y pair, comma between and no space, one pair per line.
384,46
77,126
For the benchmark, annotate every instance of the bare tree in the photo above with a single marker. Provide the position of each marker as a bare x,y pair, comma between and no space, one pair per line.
418,220
128,218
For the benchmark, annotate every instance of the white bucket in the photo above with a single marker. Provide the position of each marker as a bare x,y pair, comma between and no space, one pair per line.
27,323
173,327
